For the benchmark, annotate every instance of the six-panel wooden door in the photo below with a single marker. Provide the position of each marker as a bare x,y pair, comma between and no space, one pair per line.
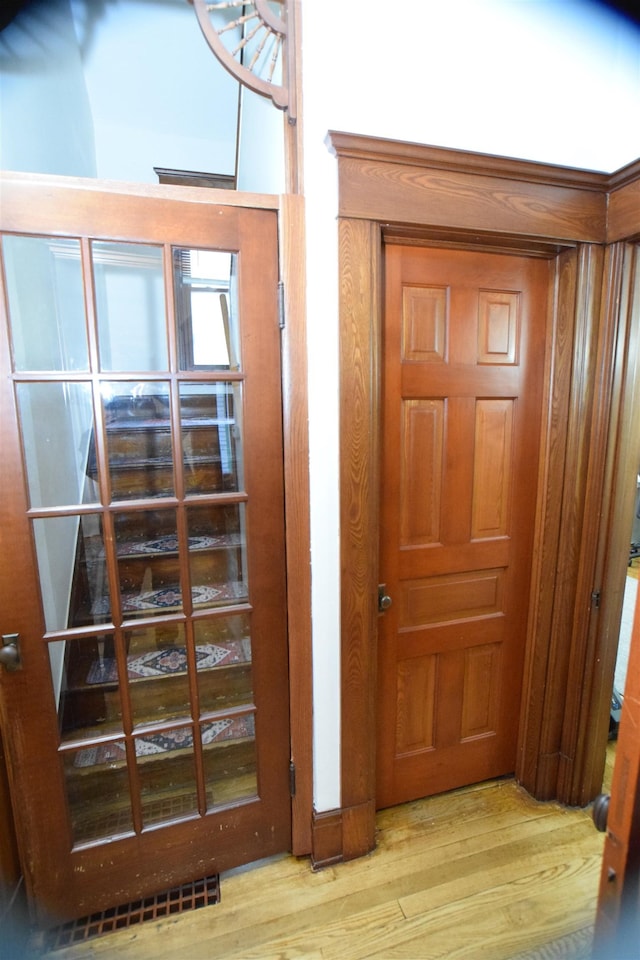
463,362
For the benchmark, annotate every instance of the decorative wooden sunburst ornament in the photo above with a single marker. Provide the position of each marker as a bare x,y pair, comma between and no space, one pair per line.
252,46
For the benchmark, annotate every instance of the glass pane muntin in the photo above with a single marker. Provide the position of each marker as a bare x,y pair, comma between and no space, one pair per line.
128,721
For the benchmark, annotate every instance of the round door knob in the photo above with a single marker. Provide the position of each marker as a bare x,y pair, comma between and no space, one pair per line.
10,655
384,602
600,811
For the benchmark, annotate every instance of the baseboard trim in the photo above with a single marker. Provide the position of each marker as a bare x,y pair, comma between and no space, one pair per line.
343,834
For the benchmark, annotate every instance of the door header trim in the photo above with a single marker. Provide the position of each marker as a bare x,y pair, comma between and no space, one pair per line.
414,184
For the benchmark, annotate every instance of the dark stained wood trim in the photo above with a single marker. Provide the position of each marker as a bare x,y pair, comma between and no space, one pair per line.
558,690
359,460
592,373
343,834
358,829
625,176
426,194
469,201
327,839
620,312
195,178
586,615
203,195
298,548
378,150
547,535
488,241
623,216
469,192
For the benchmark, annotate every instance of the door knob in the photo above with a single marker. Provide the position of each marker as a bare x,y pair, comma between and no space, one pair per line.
384,600
9,652
600,811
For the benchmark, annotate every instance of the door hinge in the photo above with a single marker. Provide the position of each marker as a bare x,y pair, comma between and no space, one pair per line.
281,320
595,599
292,778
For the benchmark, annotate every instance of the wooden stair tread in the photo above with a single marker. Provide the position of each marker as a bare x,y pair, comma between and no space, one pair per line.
161,746
162,545
167,599
151,423
78,686
86,671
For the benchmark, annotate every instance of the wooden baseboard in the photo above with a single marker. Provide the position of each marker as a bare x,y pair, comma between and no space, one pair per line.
343,834
326,838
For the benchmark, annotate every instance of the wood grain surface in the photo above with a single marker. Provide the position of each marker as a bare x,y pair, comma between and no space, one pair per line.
483,872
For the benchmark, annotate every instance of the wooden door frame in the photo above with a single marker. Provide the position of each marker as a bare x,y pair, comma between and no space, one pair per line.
417,193
291,227
618,915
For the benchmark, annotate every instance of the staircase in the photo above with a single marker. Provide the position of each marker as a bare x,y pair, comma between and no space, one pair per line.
141,453
141,449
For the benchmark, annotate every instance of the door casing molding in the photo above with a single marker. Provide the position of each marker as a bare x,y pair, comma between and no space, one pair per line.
422,194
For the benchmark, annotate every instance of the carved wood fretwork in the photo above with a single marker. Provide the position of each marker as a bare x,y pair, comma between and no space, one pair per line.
256,46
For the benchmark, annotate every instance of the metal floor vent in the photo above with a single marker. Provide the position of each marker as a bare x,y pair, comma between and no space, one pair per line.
190,896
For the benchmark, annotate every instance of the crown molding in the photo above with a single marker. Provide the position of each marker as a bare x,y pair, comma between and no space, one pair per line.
420,185
360,147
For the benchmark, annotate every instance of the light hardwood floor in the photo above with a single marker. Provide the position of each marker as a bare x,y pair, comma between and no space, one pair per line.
483,873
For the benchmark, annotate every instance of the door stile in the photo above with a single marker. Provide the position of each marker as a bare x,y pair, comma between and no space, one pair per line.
21,611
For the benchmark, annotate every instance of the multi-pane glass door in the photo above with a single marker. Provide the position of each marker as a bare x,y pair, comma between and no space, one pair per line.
130,382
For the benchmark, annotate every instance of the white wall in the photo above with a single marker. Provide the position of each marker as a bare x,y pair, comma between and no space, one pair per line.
260,145
45,116
114,89
159,97
556,81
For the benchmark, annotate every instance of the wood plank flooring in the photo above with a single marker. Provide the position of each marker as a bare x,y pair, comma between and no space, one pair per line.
483,873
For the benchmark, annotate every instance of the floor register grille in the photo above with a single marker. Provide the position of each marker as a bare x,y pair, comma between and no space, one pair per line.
189,896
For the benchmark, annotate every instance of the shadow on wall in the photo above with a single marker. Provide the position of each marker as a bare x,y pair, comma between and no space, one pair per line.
88,12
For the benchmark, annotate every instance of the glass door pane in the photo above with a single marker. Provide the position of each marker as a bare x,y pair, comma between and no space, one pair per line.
211,436
133,448
206,295
130,306
46,303
137,419
57,430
